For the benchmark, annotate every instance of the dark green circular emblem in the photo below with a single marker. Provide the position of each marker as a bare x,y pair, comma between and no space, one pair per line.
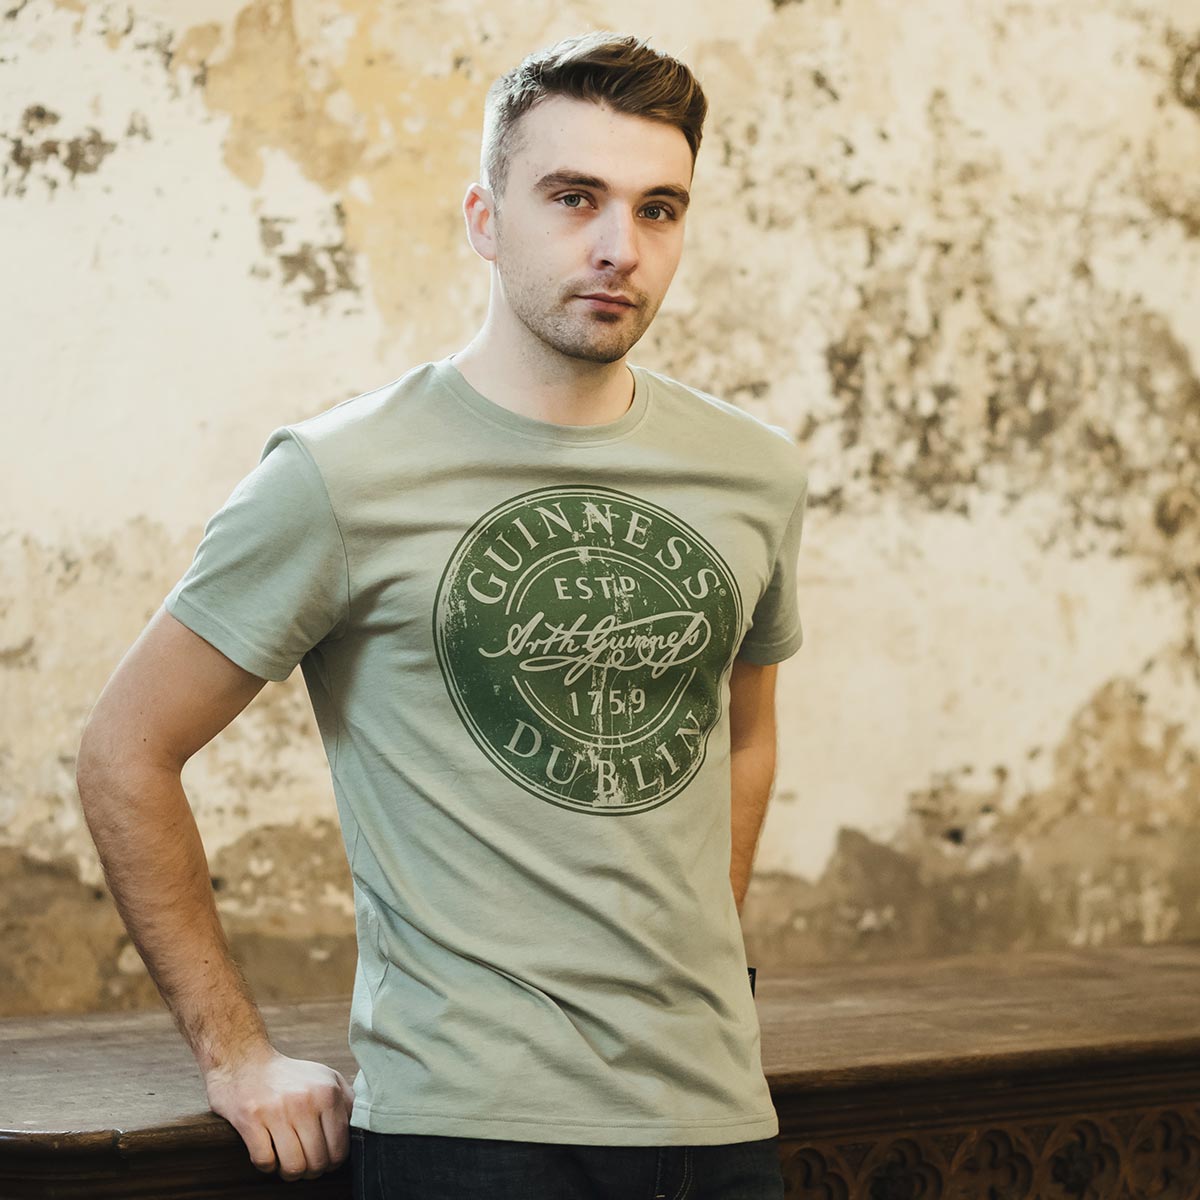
583,634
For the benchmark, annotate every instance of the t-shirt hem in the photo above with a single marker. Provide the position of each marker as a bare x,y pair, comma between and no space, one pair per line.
224,639
771,652
698,1132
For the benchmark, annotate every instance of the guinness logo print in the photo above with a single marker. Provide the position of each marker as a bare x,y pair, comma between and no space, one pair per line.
582,634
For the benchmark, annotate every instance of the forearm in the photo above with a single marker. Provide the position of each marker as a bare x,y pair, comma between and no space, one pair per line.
157,871
753,771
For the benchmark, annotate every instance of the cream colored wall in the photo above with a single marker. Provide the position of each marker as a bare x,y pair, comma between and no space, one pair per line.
954,248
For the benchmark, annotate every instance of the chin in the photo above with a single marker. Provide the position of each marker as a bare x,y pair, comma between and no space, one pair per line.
598,354
585,348
589,341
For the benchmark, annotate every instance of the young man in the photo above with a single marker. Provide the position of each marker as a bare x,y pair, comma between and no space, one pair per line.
537,594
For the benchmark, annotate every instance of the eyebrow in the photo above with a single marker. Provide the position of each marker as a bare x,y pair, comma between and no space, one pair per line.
569,178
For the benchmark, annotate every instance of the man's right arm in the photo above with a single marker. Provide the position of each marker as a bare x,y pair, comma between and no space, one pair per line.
170,695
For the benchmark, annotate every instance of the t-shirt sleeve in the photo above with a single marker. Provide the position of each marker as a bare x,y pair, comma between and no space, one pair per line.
775,632
270,578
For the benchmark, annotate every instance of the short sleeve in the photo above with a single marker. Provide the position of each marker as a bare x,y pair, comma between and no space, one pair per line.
269,579
776,632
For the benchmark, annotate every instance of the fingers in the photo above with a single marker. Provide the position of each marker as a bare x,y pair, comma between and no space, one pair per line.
319,1133
258,1142
304,1151
336,1130
293,1159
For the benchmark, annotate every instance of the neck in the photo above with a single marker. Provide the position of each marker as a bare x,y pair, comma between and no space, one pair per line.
531,378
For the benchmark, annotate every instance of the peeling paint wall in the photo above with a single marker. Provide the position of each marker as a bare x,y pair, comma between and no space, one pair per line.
955,249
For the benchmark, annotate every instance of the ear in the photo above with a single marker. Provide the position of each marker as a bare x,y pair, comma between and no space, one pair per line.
479,212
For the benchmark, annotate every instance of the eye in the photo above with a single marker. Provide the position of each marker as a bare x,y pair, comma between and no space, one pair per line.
573,196
669,215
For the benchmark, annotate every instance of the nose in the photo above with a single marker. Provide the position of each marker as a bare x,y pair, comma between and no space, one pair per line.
616,248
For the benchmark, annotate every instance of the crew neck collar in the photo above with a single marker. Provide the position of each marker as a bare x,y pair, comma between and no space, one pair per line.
547,431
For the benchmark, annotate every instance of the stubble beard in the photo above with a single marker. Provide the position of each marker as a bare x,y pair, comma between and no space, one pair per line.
569,326
587,334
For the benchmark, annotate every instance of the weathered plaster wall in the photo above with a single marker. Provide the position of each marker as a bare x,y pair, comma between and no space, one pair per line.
955,249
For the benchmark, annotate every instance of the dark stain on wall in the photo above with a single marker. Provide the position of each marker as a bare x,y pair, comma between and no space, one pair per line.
1185,78
1167,175
56,936
1105,854
1122,452
325,269
22,657
67,950
32,153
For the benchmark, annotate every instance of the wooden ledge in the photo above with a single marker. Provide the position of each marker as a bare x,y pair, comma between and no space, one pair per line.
112,1104
876,1024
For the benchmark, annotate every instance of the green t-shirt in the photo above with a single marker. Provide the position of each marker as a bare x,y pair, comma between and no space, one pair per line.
517,638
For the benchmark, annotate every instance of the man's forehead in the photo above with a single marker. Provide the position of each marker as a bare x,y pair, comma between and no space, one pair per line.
552,142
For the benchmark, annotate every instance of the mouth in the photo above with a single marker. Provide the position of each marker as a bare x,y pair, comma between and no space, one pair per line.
604,302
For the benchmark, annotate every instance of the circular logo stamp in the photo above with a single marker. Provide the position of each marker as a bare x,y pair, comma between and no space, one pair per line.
583,634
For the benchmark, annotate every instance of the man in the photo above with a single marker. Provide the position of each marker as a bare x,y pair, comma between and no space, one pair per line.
537,594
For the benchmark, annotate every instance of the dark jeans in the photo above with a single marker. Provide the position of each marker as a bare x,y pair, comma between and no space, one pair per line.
414,1166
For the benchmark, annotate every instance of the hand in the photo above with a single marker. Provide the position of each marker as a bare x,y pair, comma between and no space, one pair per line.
289,1112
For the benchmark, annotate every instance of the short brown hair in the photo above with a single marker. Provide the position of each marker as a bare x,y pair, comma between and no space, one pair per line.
615,69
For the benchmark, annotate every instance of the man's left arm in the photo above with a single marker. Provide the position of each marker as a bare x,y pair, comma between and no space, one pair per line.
752,759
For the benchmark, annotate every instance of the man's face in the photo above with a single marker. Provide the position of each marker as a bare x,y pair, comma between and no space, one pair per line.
589,207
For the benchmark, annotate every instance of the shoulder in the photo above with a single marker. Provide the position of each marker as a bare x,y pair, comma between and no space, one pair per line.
722,419
334,438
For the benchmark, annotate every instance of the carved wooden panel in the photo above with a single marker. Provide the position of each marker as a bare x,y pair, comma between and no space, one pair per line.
1147,1155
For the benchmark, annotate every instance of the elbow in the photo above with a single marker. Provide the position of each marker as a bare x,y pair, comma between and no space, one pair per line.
91,762
102,752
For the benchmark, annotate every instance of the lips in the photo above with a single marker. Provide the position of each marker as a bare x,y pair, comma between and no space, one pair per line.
608,298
